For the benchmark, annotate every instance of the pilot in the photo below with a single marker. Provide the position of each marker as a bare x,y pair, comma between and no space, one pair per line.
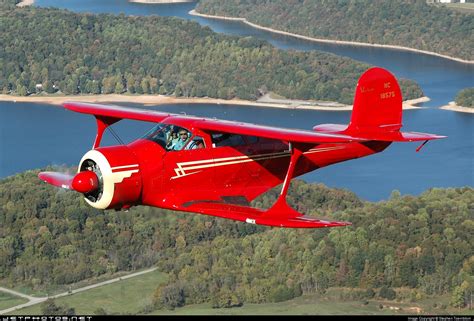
182,140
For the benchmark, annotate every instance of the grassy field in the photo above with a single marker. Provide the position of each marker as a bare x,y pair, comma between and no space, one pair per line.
463,7
8,301
315,305
132,295
124,297
57,289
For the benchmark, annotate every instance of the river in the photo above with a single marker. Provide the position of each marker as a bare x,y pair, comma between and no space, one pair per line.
36,135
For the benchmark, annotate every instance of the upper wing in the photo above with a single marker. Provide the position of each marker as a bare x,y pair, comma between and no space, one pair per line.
209,124
117,112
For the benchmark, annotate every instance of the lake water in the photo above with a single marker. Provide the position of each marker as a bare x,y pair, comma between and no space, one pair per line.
37,135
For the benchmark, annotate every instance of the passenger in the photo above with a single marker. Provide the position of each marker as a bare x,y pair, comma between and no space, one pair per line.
196,144
169,131
172,140
199,144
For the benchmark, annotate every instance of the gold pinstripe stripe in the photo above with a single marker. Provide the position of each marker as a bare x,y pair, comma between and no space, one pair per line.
209,163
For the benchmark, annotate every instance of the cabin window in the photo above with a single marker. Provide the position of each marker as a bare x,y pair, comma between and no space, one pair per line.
170,137
226,139
251,139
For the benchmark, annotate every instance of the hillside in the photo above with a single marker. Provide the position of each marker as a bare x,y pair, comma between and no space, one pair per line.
51,238
69,53
408,23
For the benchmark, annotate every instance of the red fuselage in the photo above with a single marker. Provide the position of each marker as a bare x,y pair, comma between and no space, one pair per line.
231,174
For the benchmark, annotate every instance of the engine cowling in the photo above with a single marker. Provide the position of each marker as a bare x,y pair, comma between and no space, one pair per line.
118,176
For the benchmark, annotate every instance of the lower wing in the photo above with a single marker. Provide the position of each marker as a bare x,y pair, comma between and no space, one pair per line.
280,215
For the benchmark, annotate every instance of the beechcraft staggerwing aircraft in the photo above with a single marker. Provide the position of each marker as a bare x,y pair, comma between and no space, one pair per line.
218,167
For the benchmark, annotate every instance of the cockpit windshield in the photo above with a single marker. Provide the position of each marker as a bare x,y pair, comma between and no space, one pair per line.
170,137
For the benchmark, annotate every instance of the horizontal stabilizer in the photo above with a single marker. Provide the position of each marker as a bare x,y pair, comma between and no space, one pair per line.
275,216
400,136
381,135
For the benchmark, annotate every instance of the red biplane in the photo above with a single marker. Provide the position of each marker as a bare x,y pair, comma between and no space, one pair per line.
217,167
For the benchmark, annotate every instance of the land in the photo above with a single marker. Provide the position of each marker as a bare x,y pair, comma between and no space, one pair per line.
265,101
454,107
339,42
134,297
110,294
462,7
8,300
314,304
228,67
402,24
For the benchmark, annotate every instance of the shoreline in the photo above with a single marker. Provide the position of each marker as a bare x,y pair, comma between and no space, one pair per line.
339,42
452,106
153,100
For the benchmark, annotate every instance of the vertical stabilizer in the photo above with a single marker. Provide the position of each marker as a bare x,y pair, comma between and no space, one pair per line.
377,111
377,103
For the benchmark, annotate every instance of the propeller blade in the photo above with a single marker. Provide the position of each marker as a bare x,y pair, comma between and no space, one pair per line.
57,179
83,182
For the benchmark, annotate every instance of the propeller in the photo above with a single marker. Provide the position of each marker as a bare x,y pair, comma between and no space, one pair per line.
83,182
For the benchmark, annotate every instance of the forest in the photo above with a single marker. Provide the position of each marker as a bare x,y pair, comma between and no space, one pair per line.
408,23
465,98
47,51
406,247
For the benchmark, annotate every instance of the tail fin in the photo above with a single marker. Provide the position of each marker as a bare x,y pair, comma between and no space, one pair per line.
377,103
377,111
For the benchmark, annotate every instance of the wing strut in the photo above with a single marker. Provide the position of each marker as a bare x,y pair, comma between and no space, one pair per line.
102,123
281,207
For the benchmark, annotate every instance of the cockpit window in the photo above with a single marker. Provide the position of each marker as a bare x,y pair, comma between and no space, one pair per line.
170,137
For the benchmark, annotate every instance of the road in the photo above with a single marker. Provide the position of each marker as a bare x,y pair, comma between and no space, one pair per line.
36,300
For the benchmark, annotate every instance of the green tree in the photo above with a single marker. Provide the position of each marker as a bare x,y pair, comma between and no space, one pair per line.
457,298
49,307
387,293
